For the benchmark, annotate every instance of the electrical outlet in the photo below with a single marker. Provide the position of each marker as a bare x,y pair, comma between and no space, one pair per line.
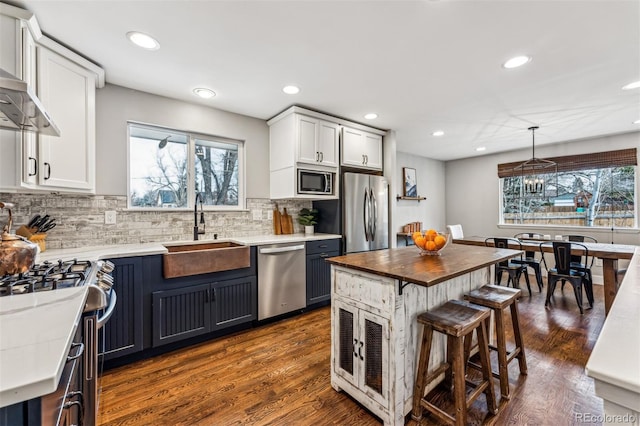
269,214
110,217
257,214
598,262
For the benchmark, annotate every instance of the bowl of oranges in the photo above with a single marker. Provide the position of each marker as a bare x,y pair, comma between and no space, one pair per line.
431,242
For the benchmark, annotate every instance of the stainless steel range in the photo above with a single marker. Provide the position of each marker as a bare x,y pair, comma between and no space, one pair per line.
76,400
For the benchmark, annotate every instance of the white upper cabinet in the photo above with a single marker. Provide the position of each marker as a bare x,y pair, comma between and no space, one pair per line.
361,149
317,141
68,91
65,83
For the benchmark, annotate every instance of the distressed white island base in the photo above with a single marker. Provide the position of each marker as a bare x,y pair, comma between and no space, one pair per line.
374,329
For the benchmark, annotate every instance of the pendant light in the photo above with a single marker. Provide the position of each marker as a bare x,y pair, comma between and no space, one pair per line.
539,176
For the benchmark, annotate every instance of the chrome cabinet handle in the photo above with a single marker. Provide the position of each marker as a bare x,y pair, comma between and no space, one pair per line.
79,351
35,166
321,156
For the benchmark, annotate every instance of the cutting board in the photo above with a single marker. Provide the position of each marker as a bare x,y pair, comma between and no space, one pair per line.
277,221
287,222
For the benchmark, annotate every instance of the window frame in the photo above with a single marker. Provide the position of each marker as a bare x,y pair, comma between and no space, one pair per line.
632,229
191,136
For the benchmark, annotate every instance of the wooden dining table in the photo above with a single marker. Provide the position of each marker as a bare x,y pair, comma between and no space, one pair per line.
609,253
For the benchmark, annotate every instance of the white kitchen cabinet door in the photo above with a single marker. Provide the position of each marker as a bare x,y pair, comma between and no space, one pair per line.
361,350
30,166
68,91
373,150
317,141
361,149
328,136
307,139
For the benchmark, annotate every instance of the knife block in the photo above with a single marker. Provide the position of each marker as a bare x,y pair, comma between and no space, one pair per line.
40,239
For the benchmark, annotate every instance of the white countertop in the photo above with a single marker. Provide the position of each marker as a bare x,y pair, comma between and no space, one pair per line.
128,250
36,331
615,360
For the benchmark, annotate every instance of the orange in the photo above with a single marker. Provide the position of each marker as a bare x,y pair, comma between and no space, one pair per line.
440,241
430,245
416,235
420,242
430,234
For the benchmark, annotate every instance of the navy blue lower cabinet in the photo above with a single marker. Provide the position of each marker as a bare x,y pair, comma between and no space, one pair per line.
318,270
234,302
186,312
181,313
123,333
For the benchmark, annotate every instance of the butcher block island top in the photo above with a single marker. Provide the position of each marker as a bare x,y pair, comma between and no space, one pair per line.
376,297
407,264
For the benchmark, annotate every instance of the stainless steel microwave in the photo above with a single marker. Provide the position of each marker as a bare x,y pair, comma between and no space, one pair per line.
315,182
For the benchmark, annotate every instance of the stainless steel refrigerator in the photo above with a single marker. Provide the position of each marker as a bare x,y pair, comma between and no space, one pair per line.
360,215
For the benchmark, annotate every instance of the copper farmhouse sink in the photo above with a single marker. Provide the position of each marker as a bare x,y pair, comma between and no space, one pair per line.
183,260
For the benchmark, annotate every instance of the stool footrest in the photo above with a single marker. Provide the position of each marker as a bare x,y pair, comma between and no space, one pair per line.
479,389
479,368
442,368
442,415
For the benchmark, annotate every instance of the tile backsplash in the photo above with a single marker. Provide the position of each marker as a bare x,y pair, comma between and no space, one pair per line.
81,220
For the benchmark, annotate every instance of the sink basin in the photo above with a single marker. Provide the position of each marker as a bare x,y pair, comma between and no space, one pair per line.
202,258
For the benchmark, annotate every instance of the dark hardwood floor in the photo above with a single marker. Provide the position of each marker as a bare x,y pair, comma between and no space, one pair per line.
278,374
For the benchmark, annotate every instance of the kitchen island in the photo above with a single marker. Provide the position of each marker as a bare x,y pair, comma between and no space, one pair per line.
376,298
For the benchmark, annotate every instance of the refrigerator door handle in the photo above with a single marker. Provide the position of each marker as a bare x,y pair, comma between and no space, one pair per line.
374,215
365,215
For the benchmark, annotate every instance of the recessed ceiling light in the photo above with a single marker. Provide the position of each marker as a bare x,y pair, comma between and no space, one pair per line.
143,40
291,90
371,116
204,93
636,122
630,86
438,133
481,148
517,61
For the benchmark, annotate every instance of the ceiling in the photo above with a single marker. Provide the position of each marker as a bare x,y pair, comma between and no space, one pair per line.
420,65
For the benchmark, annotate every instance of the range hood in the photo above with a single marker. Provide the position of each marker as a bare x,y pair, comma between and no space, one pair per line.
20,108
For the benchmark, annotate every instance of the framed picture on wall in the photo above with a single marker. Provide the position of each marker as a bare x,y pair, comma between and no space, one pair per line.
410,182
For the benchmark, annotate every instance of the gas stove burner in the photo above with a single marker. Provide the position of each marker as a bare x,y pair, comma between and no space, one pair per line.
18,286
47,276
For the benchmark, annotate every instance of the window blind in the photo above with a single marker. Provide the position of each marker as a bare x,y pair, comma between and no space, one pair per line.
570,163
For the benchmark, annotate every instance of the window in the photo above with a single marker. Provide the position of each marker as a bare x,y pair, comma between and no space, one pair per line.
161,162
593,190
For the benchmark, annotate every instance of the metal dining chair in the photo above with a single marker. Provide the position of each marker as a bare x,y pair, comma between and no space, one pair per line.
530,256
514,269
564,272
576,261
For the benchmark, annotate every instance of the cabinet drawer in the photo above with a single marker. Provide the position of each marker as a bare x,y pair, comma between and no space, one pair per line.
323,246
372,290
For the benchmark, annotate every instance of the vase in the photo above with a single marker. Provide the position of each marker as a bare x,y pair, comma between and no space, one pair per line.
308,230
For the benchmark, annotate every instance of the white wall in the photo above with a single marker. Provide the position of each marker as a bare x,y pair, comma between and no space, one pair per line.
472,188
115,105
430,177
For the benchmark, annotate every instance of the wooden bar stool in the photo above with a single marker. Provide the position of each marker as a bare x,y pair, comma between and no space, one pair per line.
457,320
498,298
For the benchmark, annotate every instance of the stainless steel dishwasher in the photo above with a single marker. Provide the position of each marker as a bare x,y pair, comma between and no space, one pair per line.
281,279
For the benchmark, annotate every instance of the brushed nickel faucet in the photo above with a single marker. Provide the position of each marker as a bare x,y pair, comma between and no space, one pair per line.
198,230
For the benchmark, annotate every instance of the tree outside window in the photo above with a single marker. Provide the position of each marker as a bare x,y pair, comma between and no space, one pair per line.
599,197
161,161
